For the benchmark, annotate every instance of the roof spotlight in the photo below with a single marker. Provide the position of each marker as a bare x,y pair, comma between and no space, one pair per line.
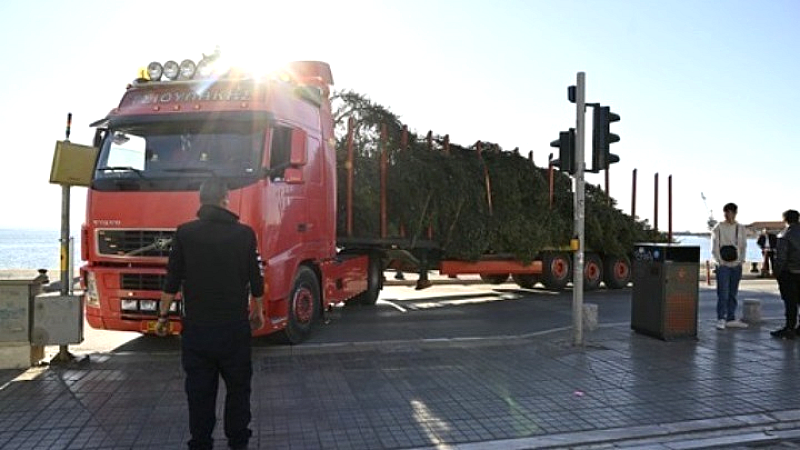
171,70
154,71
187,69
205,68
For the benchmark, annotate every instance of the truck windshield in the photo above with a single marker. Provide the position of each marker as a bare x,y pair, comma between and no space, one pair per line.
150,155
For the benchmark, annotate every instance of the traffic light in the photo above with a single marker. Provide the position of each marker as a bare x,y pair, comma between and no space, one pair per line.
566,151
602,138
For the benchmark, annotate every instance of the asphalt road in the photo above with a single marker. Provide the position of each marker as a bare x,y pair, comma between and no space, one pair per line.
456,310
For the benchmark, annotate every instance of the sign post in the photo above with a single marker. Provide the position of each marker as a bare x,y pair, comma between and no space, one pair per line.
72,166
579,208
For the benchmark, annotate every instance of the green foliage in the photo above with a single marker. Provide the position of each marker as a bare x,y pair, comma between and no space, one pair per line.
448,192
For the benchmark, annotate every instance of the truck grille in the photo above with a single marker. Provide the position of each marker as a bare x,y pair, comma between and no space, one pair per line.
134,243
141,282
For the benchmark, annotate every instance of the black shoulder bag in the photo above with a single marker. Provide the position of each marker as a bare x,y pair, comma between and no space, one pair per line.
729,253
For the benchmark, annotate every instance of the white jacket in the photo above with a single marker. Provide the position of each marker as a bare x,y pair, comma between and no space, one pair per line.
729,234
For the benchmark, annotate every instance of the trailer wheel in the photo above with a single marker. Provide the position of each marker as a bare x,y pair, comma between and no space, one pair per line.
374,281
592,272
555,270
304,306
617,273
494,278
525,280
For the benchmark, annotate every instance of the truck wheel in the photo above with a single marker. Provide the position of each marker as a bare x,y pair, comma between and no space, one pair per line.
525,280
555,270
494,278
374,281
592,272
617,273
304,306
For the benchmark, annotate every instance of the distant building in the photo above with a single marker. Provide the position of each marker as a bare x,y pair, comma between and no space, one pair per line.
772,227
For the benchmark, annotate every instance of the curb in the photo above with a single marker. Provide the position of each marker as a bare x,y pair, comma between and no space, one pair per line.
692,434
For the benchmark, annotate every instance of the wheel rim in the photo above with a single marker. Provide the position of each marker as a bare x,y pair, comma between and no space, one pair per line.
621,270
303,305
592,271
558,268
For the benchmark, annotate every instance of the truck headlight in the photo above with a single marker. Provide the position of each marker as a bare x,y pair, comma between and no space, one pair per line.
129,305
147,305
92,297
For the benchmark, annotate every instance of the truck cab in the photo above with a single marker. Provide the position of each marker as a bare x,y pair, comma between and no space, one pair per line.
269,137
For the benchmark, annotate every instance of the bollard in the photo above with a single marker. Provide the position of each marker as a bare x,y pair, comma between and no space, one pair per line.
590,316
751,311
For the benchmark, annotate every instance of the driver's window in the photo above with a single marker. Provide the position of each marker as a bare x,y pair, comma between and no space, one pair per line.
280,150
126,151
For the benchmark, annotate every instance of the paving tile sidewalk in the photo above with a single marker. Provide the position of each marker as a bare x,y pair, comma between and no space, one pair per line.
525,392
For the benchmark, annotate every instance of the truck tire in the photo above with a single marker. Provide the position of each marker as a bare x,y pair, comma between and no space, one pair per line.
525,280
617,272
556,270
304,306
374,282
494,278
592,272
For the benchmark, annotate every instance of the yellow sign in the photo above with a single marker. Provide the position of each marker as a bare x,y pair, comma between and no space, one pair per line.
73,164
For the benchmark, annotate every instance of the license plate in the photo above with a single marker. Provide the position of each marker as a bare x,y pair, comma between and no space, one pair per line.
150,327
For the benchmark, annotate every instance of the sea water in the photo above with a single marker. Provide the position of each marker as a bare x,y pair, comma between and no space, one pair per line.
753,250
32,249
40,249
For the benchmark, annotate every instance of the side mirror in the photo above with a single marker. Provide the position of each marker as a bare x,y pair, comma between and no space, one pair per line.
99,134
293,175
299,155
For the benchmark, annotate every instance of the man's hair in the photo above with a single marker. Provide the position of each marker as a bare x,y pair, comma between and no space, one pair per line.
791,216
730,207
213,191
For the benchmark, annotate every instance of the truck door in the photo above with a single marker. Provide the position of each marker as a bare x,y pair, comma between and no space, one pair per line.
317,197
286,203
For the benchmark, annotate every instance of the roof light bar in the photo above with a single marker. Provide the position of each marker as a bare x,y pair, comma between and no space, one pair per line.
188,69
154,71
171,70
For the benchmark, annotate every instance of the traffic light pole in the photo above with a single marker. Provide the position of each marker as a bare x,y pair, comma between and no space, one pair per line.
579,207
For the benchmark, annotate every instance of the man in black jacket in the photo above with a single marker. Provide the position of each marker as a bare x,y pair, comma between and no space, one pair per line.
787,269
767,242
215,260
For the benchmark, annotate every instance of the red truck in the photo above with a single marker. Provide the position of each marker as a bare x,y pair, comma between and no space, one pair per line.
271,139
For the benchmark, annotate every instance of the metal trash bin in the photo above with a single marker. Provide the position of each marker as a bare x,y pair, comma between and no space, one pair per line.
665,290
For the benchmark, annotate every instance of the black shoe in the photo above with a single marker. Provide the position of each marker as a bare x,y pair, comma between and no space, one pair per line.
797,331
783,333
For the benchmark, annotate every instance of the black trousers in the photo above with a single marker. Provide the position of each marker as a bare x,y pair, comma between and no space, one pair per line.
789,285
208,352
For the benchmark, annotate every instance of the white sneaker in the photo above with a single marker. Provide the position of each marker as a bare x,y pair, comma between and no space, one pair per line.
721,324
735,324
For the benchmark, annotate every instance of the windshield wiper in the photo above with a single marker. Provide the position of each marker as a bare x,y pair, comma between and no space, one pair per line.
121,168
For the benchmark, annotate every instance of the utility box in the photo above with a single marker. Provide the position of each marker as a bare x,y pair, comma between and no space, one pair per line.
16,304
57,319
665,290
73,164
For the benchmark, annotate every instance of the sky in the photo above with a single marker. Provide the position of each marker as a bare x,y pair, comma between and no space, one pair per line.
706,90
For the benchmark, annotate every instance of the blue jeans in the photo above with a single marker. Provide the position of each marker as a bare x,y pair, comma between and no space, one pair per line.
727,289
